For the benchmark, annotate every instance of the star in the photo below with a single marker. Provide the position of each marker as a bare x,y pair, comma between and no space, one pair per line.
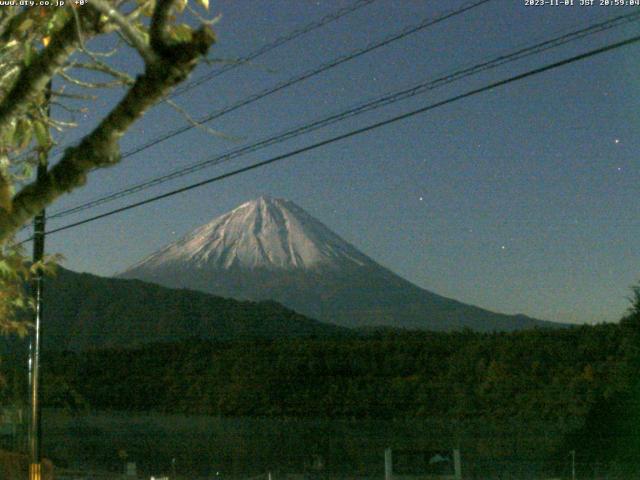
616,141
421,198
503,247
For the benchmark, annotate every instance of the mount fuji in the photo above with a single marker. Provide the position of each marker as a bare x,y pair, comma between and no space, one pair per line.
271,249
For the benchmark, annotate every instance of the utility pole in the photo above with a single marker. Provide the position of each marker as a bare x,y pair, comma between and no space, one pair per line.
35,419
573,465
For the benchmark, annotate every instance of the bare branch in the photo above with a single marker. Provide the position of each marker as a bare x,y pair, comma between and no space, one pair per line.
127,30
83,84
68,109
205,21
33,79
60,125
100,148
99,66
76,17
135,14
94,55
197,124
73,96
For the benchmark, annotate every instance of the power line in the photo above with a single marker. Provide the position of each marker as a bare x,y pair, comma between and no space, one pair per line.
427,22
273,45
360,109
329,18
358,131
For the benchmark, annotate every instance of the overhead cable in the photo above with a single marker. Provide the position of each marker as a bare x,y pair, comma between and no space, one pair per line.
356,132
358,109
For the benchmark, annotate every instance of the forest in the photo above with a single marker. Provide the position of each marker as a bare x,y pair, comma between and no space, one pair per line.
582,380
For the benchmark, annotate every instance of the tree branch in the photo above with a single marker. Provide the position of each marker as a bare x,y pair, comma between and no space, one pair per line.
94,85
100,148
102,67
157,29
127,29
34,78
9,20
195,123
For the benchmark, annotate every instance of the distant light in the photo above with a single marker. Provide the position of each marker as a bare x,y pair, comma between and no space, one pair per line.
617,140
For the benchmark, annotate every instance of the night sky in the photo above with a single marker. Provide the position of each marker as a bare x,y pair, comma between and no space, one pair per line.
520,200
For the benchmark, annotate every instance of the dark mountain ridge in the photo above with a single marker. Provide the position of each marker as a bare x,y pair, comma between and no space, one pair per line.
85,311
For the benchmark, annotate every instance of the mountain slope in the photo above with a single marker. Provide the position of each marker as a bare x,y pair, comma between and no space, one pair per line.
86,311
272,249
268,233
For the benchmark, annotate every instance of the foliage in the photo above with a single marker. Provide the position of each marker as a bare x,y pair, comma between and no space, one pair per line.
633,314
582,380
551,375
46,61
503,383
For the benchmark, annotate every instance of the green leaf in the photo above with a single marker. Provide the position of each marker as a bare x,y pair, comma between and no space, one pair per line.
57,21
25,25
204,4
42,134
181,33
9,132
26,171
142,30
5,268
22,135
28,54
148,7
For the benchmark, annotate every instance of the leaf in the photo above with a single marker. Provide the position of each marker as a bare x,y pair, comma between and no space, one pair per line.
148,8
26,171
26,24
204,4
142,30
28,54
22,135
182,33
5,268
42,134
181,5
57,21
9,132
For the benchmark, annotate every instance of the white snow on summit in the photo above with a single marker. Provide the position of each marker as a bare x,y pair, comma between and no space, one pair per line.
266,233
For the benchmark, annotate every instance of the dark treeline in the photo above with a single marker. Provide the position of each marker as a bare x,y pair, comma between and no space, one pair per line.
547,374
580,379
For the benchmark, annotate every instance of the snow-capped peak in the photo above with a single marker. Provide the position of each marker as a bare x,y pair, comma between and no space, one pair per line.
268,233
